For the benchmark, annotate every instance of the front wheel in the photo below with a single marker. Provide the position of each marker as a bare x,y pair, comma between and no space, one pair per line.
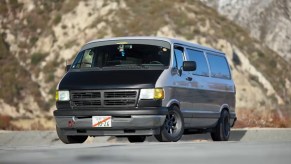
70,139
222,130
173,127
134,139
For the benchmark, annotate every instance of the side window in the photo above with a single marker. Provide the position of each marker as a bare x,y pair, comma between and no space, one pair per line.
179,57
218,66
87,59
201,63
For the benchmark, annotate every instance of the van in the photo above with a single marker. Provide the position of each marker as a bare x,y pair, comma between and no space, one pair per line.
136,87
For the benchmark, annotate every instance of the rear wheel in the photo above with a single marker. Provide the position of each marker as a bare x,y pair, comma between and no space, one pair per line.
70,139
134,139
222,130
173,127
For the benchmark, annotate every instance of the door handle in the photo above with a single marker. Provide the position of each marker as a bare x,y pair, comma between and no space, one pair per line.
189,78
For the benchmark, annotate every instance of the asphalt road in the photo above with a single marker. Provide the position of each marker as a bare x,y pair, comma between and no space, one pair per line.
247,146
235,152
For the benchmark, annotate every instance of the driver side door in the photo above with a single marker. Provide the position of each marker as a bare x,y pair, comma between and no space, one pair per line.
182,85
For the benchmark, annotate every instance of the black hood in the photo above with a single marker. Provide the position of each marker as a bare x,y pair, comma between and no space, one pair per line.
113,79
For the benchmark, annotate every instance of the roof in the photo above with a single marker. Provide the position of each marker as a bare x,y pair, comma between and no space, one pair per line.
170,40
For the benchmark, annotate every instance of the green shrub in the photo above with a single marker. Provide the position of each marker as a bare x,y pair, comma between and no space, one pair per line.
58,19
273,64
50,77
14,4
69,6
3,8
70,44
261,54
3,48
33,40
254,78
37,57
64,26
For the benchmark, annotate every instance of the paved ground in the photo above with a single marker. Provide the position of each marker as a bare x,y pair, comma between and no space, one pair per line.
260,146
181,152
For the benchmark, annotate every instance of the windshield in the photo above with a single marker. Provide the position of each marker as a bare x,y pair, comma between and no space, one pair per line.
118,56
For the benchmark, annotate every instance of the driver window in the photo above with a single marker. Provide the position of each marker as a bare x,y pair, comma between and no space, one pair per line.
87,59
179,57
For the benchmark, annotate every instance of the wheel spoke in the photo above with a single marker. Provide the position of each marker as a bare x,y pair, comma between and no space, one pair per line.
167,127
172,118
175,122
169,130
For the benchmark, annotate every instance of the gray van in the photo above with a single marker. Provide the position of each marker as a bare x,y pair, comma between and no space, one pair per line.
142,86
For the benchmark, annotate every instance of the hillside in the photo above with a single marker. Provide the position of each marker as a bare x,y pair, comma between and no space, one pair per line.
37,37
268,21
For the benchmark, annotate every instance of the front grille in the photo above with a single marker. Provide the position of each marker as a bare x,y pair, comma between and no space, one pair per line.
104,98
86,103
121,94
85,95
124,102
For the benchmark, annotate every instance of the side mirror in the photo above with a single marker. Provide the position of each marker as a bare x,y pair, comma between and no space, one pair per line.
189,66
68,67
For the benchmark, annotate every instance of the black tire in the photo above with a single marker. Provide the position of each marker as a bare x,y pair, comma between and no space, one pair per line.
70,139
221,132
173,127
134,139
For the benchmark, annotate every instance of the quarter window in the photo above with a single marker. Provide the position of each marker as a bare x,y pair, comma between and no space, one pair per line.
218,66
201,64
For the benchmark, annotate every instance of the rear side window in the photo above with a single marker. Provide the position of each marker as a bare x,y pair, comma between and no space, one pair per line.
201,64
218,66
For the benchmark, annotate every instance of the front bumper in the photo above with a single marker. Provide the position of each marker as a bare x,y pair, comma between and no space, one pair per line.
145,121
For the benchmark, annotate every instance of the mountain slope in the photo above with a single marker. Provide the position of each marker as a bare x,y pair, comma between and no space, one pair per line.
268,21
42,35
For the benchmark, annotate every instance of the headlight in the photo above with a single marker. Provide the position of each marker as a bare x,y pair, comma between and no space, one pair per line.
157,94
62,95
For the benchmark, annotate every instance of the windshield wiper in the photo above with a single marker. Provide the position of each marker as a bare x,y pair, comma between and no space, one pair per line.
126,67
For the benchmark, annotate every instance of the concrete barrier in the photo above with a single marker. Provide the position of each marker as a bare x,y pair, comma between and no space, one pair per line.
30,138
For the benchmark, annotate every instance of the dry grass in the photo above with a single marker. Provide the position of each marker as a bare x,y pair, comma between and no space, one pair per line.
39,123
263,118
5,123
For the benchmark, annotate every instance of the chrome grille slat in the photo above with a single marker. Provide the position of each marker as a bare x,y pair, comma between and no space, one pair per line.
103,98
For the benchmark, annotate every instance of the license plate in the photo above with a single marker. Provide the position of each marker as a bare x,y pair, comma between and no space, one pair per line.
101,121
